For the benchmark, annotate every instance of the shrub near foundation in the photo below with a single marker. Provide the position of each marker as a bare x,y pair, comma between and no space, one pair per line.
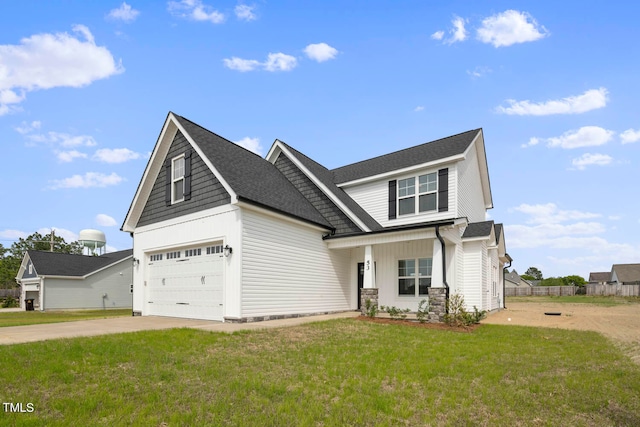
457,315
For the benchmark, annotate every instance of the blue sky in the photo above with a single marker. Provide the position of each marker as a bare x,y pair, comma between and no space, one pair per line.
86,86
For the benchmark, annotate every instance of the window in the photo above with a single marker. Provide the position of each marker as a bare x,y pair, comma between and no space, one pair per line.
156,257
173,255
212,250
177,179
412,281
427,194
193,252
30,268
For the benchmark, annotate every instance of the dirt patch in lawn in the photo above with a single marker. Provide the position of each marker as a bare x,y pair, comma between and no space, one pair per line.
620,323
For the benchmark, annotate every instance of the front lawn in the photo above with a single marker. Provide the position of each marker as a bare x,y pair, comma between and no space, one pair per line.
18,318
336,373
607,301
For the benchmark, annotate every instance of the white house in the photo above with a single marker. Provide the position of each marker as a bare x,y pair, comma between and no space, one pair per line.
221,233
57,281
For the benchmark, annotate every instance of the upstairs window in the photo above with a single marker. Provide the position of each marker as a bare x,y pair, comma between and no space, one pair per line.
427,190
406,196
177,179
427,194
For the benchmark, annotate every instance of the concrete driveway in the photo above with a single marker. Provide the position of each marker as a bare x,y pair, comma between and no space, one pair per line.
115,325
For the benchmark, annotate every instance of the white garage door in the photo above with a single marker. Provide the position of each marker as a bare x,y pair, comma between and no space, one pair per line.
186,283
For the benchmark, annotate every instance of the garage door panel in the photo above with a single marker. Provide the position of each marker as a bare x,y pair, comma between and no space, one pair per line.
190,287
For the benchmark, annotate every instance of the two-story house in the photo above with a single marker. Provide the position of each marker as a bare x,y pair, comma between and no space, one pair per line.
221,233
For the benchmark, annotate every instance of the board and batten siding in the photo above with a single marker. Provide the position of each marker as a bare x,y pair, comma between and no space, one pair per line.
373,197
288,269
470,196
114,282
206,190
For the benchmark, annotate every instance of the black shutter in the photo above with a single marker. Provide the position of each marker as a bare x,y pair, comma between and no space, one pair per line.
187,175
167,188
443,190
392,199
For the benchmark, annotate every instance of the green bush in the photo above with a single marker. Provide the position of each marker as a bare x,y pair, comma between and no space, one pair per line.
395,312
457,315
10,302
423,311
370,308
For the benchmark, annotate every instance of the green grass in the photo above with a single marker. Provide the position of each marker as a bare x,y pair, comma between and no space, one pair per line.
336,373
18,318
609,301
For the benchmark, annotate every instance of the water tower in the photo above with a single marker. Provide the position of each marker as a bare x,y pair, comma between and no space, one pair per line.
93,241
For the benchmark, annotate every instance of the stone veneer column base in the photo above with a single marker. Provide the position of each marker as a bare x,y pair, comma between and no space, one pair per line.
437,304
370,294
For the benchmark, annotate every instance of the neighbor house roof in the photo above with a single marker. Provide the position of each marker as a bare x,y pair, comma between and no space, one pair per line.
627,272
59,264
512,276
253,179
424,153
600,276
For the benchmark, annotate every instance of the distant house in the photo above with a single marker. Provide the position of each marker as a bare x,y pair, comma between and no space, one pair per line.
599,278
513,280
57,281
625,274
221,233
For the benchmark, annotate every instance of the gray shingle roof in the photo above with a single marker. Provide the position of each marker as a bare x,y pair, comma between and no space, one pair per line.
427,152
498,232
58,264
478,229
326,177
600,276
251,177
627,272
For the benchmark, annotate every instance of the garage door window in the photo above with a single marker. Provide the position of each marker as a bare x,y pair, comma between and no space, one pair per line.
193,252
173,255
217,249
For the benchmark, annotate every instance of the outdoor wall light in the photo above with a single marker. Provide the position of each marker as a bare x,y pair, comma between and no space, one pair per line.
136,262
228,250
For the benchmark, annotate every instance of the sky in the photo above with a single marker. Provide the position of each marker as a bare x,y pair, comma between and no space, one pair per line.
85,88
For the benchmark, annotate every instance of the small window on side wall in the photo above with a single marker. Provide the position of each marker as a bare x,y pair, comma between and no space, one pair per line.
177,179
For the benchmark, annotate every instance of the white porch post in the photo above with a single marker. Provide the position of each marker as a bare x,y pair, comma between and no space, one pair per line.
369,265
437,281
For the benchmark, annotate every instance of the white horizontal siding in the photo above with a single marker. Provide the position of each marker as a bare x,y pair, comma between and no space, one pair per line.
374,198
288,269
470,197
474,267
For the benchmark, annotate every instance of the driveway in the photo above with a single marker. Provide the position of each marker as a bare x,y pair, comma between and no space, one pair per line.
115,325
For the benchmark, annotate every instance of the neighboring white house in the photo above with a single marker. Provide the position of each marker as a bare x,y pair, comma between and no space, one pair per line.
57,281
221,233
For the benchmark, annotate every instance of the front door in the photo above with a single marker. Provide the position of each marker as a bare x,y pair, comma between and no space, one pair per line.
360,281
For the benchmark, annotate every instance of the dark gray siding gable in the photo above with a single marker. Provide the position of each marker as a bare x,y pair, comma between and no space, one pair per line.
26,274
332,213
206,191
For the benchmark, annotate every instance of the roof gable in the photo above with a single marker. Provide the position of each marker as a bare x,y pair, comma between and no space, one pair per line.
600,276
626,272
73,265
476,230
437,150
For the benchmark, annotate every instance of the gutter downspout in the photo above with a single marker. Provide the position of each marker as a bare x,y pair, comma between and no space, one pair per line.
444,263
504,286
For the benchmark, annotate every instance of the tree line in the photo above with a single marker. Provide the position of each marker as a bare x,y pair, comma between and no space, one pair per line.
11,257
533,273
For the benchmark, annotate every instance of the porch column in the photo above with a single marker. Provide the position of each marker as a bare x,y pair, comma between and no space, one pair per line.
369,265
437,281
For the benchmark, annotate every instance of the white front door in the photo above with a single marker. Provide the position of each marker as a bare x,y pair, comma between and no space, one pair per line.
186,283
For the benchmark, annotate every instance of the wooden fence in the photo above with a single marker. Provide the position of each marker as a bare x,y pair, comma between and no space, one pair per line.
614,289
15,293
540,291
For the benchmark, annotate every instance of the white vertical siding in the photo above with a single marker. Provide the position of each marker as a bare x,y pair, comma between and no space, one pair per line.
114,281
288,269
374,198
470,198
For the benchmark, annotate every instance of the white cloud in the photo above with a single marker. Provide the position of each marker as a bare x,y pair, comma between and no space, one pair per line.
586,136
69,156
629,136
115,155
458,32
13,234
479,72
418,108
320,52
280,62
510,27
108,249
590,100
195,10
240,64
63,139
550,214
45,61
589,159
245,13
124,13
105,220
438,35
26,128
615,217
88,180
251,144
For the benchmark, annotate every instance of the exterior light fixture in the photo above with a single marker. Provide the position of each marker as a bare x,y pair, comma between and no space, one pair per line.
136,262
228,250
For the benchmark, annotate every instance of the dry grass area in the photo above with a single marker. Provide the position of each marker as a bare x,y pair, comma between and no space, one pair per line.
621,323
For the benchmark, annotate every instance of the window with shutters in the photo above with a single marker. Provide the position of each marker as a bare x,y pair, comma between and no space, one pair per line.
177,179
426,192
